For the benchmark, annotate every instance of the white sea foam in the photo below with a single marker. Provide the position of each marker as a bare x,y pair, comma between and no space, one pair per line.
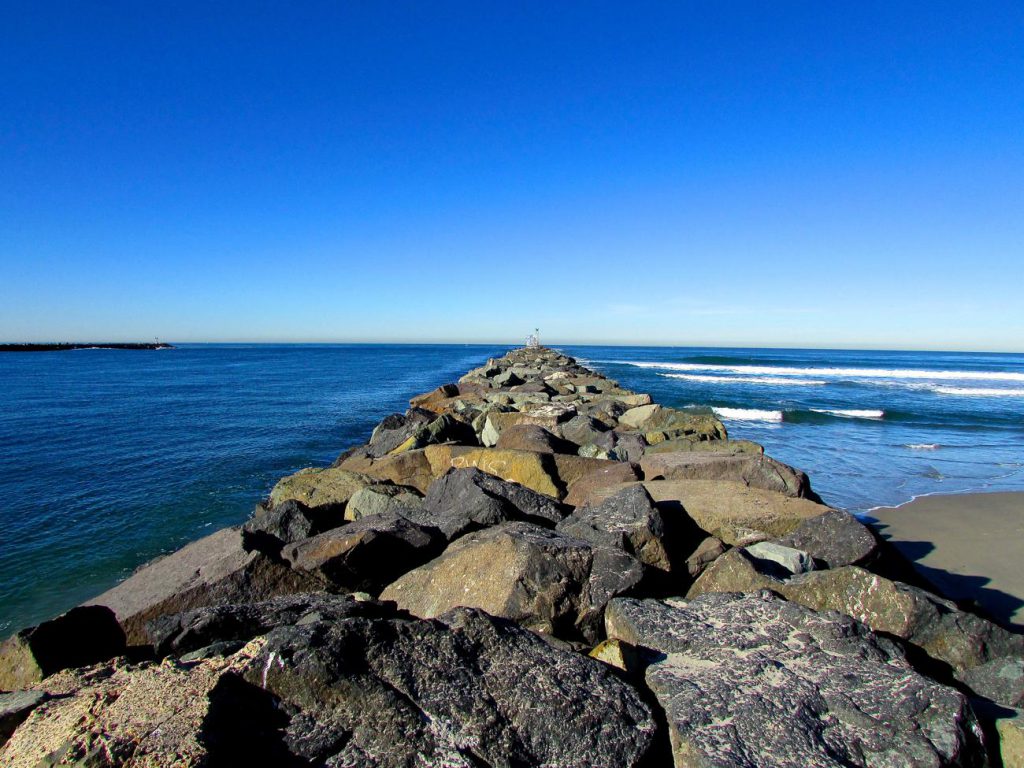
712,379
922,446
851,413
747,414
979,391
856,373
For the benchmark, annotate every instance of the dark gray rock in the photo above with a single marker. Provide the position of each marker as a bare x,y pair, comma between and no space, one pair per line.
836,538
467,499
582,429
443,429
82,636
543,579
752,681
626,520
395,429
999,680
467,691
629,446
224,624
14,708
290,521
366,554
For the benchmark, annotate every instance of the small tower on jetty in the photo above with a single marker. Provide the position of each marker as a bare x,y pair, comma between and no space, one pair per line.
533,340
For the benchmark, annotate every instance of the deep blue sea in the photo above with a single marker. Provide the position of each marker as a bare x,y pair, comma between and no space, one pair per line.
110,458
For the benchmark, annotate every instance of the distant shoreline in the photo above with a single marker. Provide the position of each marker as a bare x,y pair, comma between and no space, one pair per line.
62,347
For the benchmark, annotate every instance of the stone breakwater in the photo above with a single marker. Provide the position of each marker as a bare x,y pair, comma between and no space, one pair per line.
533,566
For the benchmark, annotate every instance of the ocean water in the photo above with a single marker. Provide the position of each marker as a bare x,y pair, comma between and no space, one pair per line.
110,458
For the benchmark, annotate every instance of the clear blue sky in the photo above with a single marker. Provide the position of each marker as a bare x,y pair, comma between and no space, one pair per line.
738,173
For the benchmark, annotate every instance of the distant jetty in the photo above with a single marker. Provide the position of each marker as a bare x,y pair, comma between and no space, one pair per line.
532,566
63,347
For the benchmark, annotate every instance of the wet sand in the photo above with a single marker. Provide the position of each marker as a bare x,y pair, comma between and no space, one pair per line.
970,546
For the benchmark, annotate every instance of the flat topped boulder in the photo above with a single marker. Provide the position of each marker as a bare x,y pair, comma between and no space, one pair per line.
542,579
729,510
212,571
835,538
753,470
534,470
752,681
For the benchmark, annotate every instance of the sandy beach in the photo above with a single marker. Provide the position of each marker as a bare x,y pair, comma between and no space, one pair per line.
971,546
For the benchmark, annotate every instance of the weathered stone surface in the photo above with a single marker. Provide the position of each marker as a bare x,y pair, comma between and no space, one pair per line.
148,716
583,429
212,571
788,559
381,499
14,708
729,510
957,638
366,554
395,429
435,398
542,579
1011,740
752,681
444,429
271,528
466,499
530,437
627,520
635,417
465,691
191,630
629,446
715,446
709,550
753,470
583,477
835,538
409,468
1000,680
84,635
319,487
534,470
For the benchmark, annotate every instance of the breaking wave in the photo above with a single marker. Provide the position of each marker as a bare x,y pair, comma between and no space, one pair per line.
867,373
713,379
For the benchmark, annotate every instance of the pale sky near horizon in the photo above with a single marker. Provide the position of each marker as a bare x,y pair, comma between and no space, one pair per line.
737,174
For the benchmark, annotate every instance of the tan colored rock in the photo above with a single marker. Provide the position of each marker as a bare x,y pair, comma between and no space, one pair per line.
534,470
130,716
319,487
687,444
584,477
410,468
1011,740
379,499
709,550
729,510
435,400
498,422
754,470
635,417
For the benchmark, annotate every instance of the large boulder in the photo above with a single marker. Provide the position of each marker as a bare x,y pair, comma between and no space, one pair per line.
395,429
936,626
215,570
199,628
410,468
835,538
694,443
366,554
270,528
534,470
729,510
751,681
444,429
530,437
319,487
15,706
466,499
380,499
627,520
465,691
583,477
82,636
540,578
754,470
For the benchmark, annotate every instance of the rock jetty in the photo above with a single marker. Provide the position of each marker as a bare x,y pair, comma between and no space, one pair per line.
67,346
530,567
